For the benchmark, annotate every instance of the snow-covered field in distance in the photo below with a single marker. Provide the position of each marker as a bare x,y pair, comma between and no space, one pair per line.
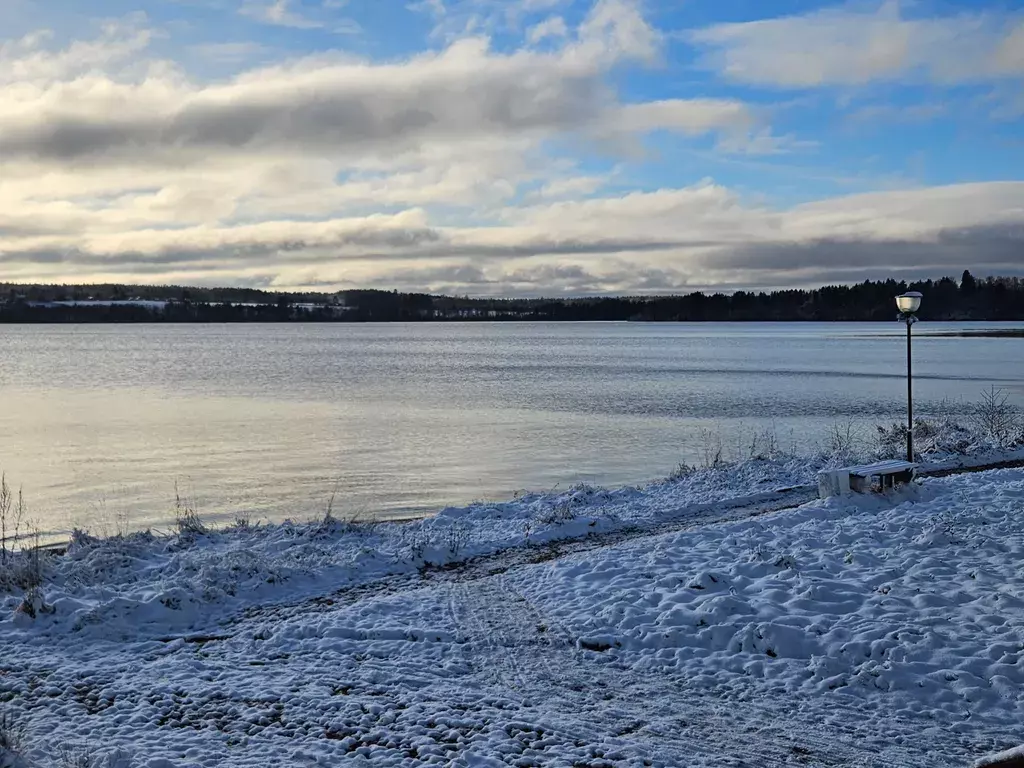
859,631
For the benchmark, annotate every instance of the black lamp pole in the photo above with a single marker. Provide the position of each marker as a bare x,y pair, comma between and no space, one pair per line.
908,304
910,392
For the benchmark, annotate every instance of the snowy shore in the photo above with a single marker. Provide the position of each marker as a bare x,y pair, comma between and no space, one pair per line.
687,623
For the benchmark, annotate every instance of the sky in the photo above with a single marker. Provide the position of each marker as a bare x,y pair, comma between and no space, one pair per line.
510,147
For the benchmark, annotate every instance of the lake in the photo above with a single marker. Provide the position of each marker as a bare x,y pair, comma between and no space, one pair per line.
99,422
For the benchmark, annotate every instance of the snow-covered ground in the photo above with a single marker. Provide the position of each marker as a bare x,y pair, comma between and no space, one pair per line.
667,625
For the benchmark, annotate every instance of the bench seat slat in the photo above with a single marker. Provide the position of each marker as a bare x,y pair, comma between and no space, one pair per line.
881,468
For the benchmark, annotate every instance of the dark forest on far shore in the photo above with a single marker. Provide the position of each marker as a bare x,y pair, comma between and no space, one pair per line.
969,298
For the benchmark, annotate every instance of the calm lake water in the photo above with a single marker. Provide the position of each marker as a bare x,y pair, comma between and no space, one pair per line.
97,423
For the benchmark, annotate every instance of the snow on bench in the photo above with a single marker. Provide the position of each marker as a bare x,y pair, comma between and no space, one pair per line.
1011,758
861,478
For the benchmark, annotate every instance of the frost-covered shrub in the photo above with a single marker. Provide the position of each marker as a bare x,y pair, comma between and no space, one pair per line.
11,736
997,419
21,566
12,513
331,525
932,437
943,437
764,446
711,451
327,525
81,540
431,543
567,507
415,541
23,570
682,471
992,423
243,521
186,515
456,538
86,756
843,444
562,512
892,441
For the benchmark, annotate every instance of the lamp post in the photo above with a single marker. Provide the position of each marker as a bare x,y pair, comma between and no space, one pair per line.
908,304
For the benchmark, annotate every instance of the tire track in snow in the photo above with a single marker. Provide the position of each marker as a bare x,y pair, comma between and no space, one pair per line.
484,566
686,518
656,714
501,622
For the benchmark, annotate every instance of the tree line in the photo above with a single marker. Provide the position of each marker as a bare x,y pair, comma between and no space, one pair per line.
970,298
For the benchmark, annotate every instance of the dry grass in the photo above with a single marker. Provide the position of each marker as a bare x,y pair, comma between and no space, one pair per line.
11,735
186,514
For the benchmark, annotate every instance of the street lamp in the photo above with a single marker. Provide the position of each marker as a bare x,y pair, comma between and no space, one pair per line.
908,304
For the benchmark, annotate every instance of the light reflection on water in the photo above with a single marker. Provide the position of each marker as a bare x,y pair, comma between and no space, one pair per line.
98,422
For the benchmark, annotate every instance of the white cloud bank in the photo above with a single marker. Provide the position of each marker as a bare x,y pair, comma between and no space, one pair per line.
846,46
334,172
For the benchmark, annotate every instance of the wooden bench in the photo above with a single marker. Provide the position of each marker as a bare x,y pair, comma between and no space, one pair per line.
864,478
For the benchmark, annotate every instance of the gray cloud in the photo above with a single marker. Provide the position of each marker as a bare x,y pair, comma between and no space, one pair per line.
401,245
339,107
489,271
332,119
993,248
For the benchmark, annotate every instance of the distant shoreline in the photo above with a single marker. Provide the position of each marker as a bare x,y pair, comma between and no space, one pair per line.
151,319
994,333
972,299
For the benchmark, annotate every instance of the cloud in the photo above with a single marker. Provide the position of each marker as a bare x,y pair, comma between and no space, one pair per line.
459,18
690,116
551,27
540,5
704,235
571,187
280,13
229,53
876,114
435,8
464,92
340,108
948,251
27,61
616,30
843,47
736,124
477,167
